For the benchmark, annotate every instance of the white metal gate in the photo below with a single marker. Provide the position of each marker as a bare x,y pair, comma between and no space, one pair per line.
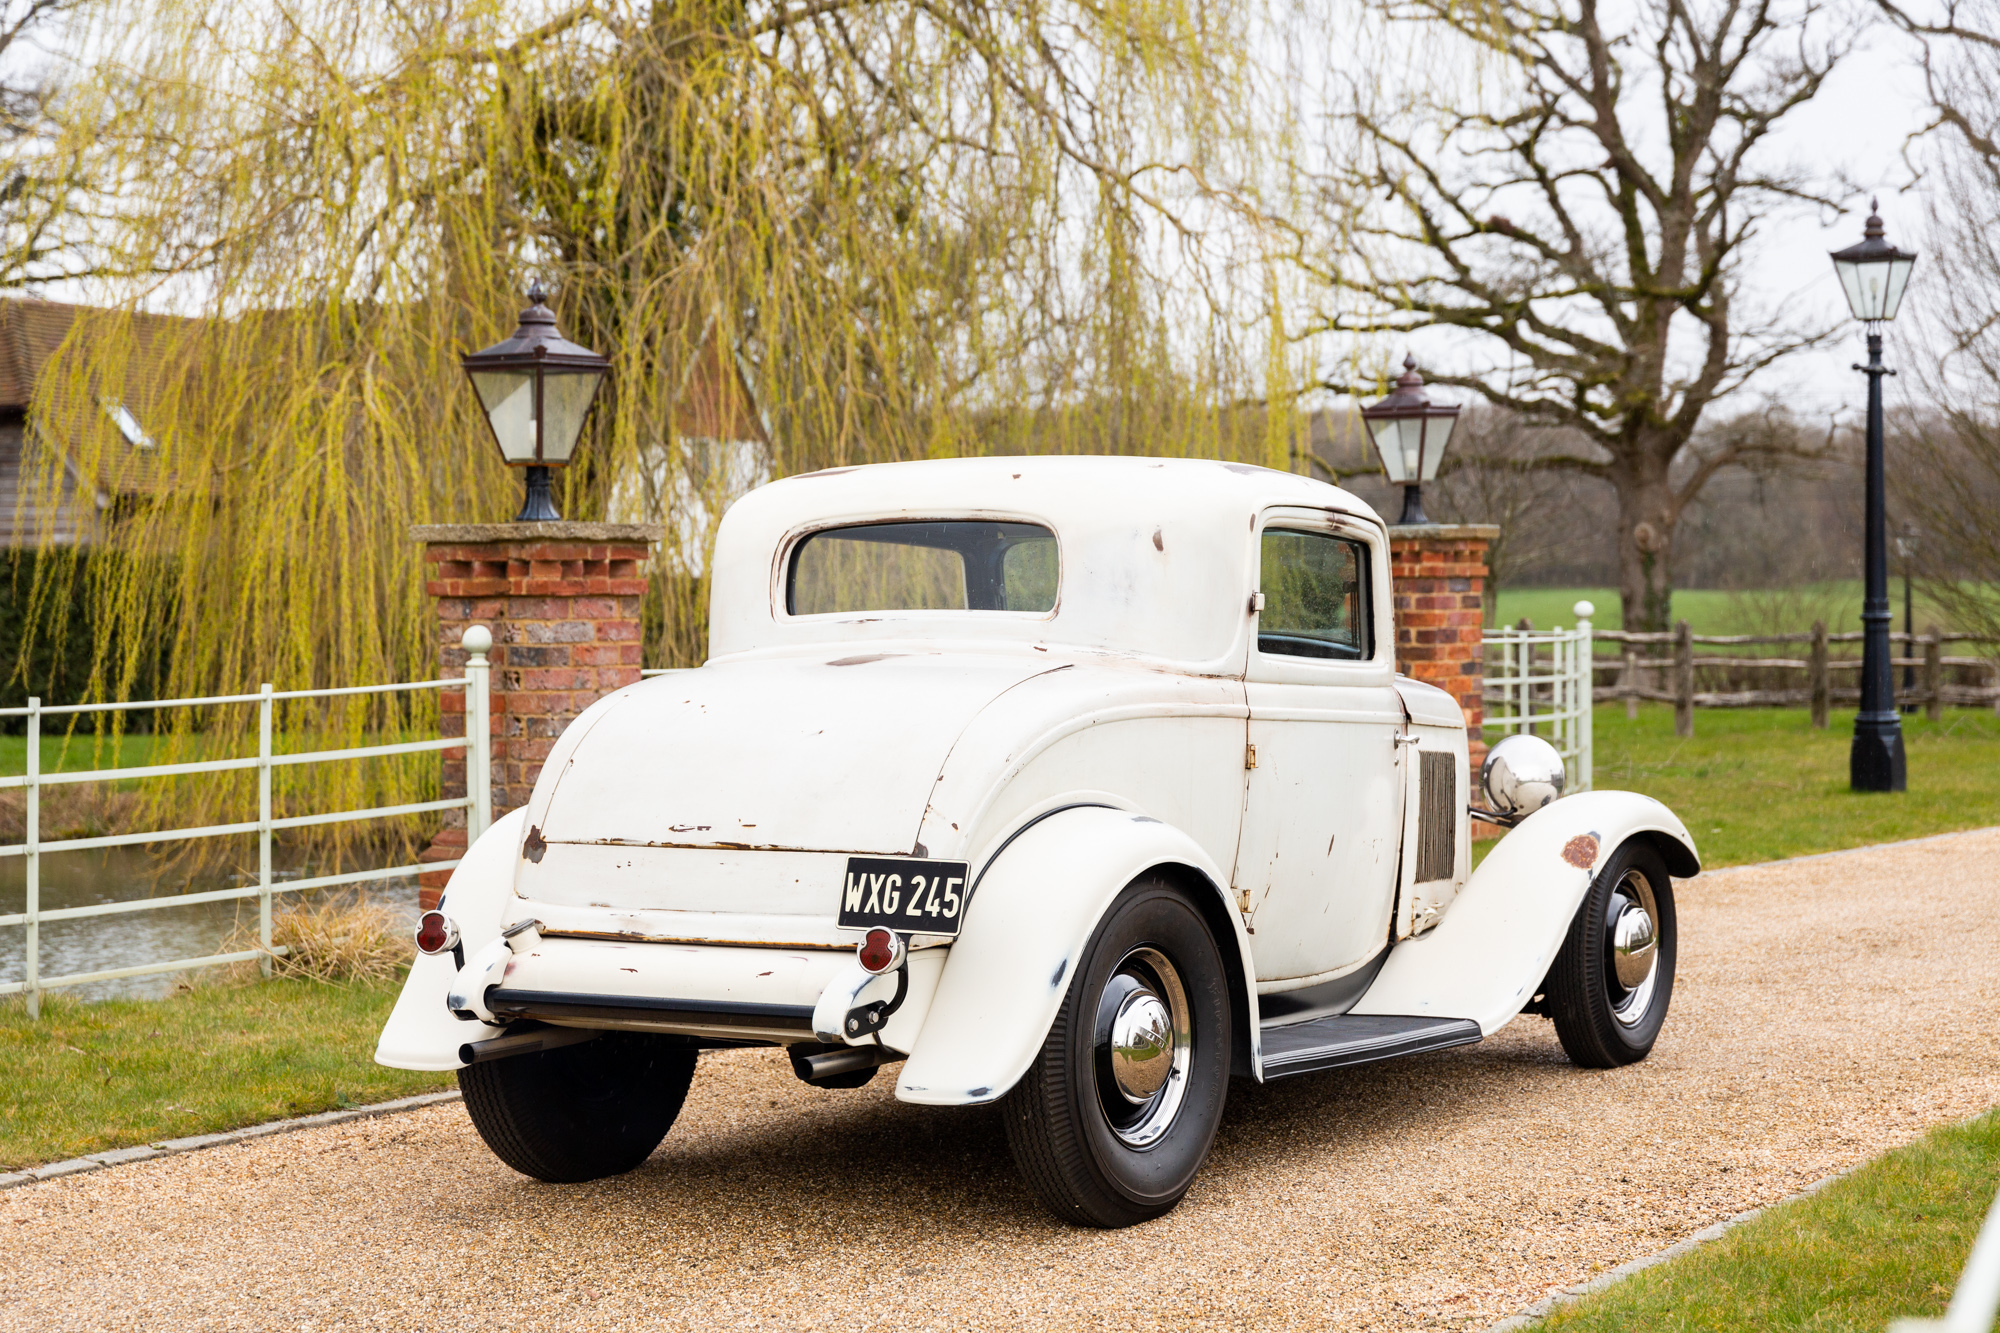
1538,682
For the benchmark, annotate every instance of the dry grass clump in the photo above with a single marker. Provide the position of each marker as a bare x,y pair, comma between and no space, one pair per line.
331,937
78,810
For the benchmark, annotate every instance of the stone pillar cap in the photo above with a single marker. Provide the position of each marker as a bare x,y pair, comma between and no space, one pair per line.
1419,531
561,530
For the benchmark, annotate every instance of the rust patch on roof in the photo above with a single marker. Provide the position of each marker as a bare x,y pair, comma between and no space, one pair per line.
1581,851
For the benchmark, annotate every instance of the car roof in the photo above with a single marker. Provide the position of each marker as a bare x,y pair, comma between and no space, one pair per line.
1156,553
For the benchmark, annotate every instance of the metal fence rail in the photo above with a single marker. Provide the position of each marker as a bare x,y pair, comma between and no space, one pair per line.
477,803
1538,682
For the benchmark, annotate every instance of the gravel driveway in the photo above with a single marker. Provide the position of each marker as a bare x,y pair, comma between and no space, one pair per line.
1826,1010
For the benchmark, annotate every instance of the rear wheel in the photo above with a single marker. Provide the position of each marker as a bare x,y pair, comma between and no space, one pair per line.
1614,977
1116,1114
580,1112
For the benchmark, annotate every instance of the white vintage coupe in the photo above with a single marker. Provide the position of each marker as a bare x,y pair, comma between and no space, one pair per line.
1079,785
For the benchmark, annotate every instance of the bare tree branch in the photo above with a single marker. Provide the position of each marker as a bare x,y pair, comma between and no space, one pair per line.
1590,224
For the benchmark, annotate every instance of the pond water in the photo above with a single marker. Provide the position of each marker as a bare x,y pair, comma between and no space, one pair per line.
163,934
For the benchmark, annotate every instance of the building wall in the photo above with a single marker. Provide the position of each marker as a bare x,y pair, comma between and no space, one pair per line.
22,519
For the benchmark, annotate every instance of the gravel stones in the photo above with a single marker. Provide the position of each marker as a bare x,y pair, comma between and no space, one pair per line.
1826,1010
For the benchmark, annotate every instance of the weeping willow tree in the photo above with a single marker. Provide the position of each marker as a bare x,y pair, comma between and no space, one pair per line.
919,228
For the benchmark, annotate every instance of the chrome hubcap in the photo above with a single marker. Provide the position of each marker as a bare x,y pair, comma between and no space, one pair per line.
1632,947
1143,1045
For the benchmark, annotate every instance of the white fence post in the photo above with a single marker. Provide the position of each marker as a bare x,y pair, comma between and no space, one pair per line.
478,732
1586,670
264,828
32,978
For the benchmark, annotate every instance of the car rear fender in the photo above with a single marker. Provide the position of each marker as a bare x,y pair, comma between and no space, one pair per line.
1034,909
1494,946
422,1032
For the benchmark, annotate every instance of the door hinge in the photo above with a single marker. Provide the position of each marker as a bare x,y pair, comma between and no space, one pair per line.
1249,756
1243,901
1256,602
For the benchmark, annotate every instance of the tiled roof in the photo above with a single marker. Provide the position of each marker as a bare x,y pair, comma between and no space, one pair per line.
31,332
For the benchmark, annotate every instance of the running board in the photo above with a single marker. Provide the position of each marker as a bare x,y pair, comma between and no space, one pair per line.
1357,1039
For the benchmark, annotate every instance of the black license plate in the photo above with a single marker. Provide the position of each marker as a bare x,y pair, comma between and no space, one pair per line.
908,896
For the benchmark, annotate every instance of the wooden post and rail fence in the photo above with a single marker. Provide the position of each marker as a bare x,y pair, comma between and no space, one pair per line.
1665,667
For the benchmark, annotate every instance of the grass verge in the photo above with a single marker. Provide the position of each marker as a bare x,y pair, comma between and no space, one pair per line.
116,1073
1886,1242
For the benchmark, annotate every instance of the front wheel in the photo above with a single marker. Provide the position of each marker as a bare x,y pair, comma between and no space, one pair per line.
1116,1114
580,1112
1609,988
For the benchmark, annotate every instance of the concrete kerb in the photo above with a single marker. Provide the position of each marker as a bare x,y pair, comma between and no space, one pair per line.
100,1161
1543,1308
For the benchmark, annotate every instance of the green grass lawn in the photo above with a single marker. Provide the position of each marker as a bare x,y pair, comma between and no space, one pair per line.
1884,1243
116,1073
73,754
1757,784
1713,611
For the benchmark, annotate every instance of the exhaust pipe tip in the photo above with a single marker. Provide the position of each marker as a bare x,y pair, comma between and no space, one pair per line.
816,1064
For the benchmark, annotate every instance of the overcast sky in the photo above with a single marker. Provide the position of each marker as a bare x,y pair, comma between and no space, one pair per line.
1858,125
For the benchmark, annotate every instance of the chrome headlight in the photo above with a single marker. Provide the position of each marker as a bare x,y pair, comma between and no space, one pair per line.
1522,774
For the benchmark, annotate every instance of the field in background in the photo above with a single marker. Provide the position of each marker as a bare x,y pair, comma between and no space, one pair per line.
1715,611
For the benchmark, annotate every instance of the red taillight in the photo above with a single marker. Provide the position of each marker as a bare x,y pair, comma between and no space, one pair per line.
881,951
435,932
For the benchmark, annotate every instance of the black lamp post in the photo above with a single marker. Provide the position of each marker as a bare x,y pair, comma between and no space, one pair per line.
536,389
1874,274
1411,433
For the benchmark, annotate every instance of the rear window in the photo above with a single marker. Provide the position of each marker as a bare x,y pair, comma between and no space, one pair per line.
947,565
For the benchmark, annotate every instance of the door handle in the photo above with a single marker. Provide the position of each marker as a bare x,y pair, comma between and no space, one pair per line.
1402,740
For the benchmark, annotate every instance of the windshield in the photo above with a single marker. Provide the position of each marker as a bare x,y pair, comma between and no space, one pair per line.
945,565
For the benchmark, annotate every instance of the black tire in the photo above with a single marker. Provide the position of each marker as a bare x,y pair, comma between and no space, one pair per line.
1604,1021
1072,1130
580,1112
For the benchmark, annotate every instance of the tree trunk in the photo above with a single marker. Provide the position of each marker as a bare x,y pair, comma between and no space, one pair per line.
1646,518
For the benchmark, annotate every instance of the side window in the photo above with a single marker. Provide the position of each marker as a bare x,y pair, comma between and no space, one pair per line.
1315,590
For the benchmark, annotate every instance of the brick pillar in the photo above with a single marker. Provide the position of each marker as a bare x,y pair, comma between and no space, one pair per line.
1438,573
562,601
